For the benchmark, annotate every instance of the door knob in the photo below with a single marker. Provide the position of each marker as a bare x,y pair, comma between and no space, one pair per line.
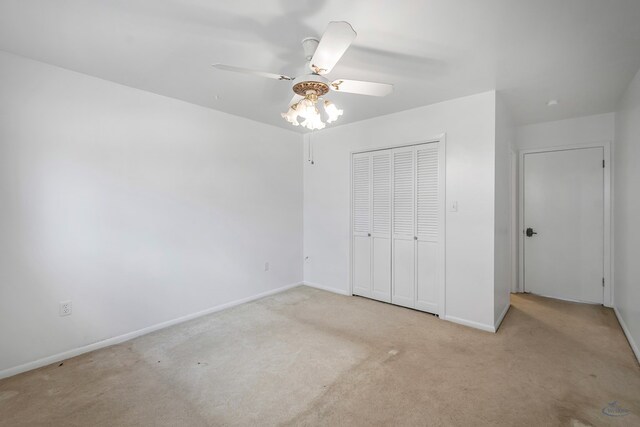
415,237
530,232
369,234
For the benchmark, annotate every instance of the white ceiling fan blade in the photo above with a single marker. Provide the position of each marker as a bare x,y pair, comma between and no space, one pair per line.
361,88
335,41
252,72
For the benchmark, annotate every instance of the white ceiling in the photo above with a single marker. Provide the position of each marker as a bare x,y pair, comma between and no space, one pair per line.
581,52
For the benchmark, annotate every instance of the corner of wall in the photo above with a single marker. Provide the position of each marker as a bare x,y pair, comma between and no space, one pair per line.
626,209
503,232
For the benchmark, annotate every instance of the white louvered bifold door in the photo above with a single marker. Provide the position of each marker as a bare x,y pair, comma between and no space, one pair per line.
397,218
403,227
381,225
361,199
427,220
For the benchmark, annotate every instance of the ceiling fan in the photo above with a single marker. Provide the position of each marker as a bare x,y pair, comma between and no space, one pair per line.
322,55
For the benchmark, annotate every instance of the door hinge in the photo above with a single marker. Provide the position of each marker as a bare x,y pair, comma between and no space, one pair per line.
603,163
603,281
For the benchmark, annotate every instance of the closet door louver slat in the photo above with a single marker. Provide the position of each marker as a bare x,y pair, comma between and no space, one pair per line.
403,198
381,163
427,192
361,194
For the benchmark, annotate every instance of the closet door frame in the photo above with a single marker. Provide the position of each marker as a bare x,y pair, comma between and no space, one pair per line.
442,149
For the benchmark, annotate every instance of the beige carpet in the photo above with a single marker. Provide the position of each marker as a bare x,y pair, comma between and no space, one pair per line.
308,357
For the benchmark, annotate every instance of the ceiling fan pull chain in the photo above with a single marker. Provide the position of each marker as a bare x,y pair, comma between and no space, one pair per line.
310,150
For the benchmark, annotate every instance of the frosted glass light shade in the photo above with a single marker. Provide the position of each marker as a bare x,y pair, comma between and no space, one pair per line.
332,111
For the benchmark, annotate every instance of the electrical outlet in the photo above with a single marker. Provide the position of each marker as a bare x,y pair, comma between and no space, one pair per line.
65,308
266,266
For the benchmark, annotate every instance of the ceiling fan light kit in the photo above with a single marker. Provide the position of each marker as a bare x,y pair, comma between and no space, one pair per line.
306,109
310,88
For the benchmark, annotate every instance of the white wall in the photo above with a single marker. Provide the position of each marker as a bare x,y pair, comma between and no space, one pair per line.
627,213
138,208
577,131
505,138
469,124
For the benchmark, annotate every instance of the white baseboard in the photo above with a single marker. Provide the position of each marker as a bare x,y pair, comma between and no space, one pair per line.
326,288
477,325
627,333
128,336
501,318
465,322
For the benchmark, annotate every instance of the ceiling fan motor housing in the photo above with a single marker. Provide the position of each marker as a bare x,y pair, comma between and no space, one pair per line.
311,82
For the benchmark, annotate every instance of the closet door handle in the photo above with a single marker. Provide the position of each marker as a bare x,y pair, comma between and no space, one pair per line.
415,237
369,234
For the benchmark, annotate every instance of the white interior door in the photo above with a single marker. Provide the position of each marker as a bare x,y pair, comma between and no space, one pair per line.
361,245
403,230
427,226
381,225
564,224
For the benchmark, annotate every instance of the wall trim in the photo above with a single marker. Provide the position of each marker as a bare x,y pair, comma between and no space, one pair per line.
470,323
501,317
458,320
9,372
627,333
326,288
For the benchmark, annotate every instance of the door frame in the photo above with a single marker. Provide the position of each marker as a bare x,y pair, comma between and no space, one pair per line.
442,174
607,299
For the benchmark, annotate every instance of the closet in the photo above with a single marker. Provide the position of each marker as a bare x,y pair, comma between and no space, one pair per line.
397,225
